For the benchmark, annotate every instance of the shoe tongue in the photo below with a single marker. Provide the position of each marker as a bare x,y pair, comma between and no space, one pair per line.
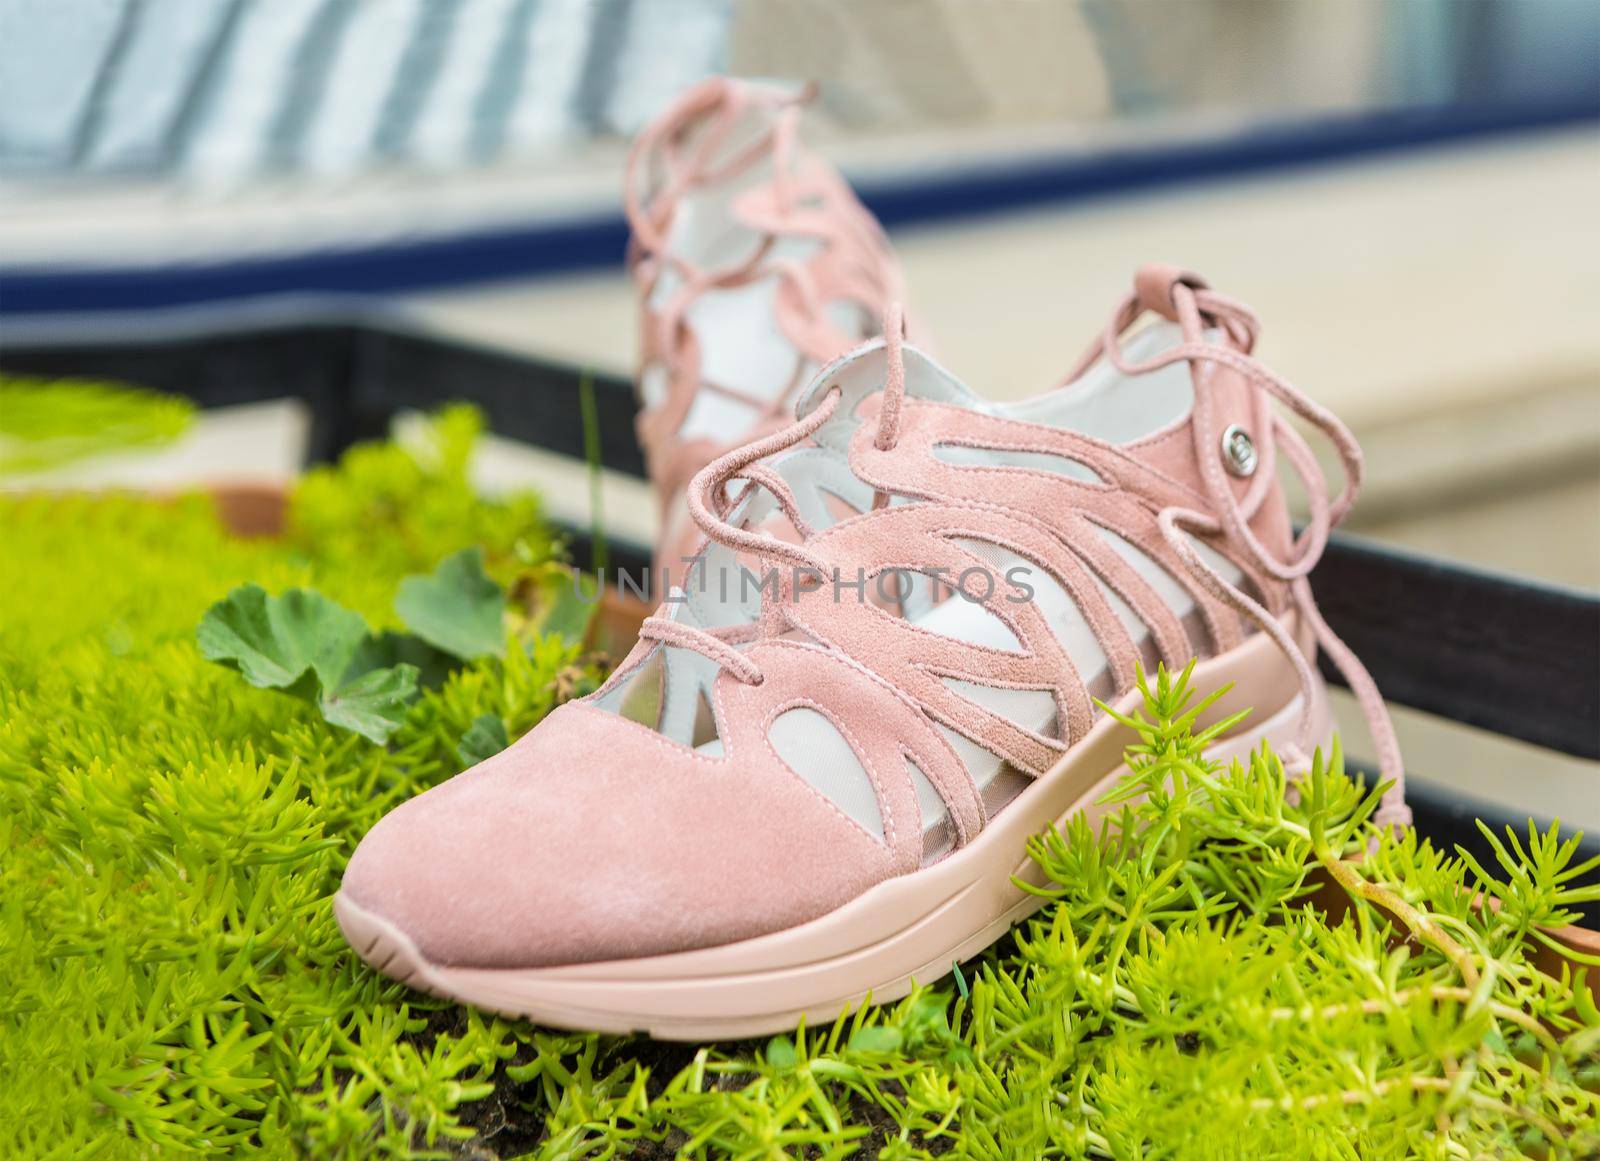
862,373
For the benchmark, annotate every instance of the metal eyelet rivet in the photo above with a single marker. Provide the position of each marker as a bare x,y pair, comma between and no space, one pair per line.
1239,451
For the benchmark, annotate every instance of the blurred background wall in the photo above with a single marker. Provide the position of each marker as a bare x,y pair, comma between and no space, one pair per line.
221,90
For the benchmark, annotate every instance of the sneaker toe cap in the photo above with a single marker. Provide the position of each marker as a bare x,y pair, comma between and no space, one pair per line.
594,838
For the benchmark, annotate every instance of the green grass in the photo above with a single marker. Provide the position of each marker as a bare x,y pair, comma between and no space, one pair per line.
172,980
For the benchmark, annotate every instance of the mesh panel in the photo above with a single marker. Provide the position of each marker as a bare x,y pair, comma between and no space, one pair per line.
1174,595
1032,709
938,833
963,620
929,805
813,748
937,842
1003,788
1060,611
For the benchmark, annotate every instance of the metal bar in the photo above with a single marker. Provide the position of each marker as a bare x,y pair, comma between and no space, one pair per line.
1505,654
525,399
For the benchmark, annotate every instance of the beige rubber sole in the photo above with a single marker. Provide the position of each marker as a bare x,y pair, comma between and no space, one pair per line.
910,929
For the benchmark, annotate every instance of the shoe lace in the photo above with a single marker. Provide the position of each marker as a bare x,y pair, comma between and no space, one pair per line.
856,262
1196,308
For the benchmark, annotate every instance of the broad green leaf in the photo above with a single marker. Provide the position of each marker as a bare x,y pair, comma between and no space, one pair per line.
388,649
275,641
555,598
301,641
374,704
571,606
457,607
485,738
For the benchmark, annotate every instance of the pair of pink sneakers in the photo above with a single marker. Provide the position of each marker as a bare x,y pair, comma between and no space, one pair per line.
813,778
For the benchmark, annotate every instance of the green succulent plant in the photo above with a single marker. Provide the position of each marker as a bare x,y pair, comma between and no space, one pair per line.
47,423
172,981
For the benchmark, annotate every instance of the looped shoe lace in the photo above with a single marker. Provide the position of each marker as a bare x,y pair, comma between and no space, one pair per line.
1196,309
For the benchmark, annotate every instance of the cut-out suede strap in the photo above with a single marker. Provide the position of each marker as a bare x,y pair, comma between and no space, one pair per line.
853,263
922,535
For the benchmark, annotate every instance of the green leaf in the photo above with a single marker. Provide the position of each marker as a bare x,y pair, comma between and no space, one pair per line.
781,1052
485,738
556,599
275,641
373,704
571,606
876,1039
457,607
388,649
307,645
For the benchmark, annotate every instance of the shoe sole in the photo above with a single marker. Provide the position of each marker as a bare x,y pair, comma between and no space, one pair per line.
905,930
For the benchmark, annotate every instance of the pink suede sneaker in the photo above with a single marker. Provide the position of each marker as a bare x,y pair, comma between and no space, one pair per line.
755,265
786,800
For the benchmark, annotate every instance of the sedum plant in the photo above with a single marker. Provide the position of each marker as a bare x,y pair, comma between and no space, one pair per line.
171,979
47,423
1222,968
